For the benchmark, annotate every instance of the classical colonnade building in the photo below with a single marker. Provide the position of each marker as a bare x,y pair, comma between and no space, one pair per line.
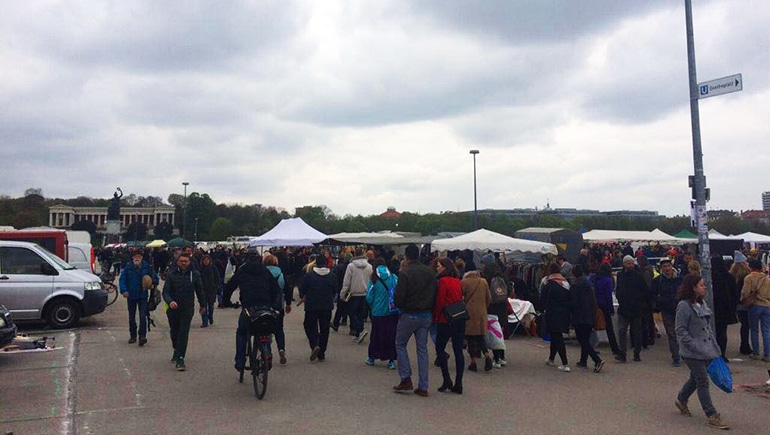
63,216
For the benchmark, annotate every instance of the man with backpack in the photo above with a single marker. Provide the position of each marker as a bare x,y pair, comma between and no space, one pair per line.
132,289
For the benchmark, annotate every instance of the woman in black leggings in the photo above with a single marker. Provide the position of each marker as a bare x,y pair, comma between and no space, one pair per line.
555,298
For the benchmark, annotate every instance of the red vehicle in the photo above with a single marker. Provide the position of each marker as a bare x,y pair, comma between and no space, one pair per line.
55,241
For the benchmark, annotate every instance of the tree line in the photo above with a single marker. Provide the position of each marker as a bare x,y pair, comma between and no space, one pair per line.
207,220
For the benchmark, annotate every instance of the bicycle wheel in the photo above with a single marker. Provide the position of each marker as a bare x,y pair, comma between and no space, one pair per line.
259,370
112,293
248,356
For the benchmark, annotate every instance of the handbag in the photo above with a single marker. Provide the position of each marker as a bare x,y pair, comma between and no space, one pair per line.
456,312
599,323
720,374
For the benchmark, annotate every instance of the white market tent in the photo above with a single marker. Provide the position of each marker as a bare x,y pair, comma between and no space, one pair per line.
655,235
366,238
290,232
750,237
482,239
716,235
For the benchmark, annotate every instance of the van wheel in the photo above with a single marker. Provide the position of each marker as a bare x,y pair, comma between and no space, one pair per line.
63,314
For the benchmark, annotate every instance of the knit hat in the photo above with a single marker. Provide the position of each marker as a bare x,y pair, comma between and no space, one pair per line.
738,257
628,258
488,259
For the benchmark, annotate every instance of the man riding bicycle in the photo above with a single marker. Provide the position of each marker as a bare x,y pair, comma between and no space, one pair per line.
258,288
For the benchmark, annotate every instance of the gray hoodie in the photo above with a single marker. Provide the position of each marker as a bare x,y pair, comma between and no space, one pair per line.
357,276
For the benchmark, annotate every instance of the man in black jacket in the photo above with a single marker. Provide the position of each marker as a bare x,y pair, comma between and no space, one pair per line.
182,286
631,289
341,314
664,288
258,288
415,296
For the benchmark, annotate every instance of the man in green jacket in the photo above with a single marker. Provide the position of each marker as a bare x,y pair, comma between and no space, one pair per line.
182,286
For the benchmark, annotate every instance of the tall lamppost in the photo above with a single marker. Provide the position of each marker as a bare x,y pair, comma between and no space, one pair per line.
196,230
184,209
475,202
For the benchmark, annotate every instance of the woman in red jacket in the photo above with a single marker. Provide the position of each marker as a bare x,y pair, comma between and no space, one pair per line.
449,291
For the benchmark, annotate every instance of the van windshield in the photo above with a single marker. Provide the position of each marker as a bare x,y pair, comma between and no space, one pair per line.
63,264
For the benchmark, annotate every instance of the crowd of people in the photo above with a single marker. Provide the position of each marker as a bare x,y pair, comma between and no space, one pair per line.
405,297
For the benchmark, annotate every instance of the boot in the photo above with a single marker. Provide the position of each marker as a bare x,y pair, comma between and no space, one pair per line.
458,387
447,385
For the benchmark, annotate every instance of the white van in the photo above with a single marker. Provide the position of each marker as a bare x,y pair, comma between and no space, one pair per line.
81,255
36,284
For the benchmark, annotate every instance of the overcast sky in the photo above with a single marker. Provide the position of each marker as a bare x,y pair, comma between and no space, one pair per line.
363,105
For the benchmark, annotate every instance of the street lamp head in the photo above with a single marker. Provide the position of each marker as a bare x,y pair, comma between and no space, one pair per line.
185,183
474,151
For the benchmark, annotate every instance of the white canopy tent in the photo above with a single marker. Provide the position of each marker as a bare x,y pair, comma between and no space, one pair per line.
753,238
482,239
655,235
290,232
366,238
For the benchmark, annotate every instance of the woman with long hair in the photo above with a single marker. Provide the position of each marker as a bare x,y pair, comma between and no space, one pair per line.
382,343
555,300
271,262
449,290
477,297
697,346
604,285
740,270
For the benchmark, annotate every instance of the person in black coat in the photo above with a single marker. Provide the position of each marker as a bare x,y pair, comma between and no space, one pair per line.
631,290
317,291
584,307
555,298
725,302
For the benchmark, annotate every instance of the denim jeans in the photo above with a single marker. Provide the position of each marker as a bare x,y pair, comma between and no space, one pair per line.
242,335
456,332
669,323
698,380
209,316
759,317
132,308
356,311
419,326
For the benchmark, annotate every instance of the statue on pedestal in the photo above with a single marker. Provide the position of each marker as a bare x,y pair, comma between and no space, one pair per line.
113,211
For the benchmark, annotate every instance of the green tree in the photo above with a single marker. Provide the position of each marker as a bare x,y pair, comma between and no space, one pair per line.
164,230
136,231
221,229
84,225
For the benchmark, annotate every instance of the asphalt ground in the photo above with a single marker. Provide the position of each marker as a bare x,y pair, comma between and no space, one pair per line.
96,383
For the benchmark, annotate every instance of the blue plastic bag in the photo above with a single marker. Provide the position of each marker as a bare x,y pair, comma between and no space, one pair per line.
720,374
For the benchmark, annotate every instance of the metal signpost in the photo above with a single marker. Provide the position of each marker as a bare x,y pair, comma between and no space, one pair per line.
704,90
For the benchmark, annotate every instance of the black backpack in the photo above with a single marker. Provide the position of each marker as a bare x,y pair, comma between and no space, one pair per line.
155,299
499,290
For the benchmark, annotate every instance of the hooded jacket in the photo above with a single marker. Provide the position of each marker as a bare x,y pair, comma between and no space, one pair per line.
378,294
318,289
664,291
211,280
357,275
258,287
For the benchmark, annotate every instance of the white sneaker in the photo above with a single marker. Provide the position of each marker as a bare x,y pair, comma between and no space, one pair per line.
549,362
565,369
503,362
497,365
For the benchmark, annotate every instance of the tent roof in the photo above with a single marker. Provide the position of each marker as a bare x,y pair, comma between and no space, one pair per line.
716,235
484,239
684,234
290,232
753,237
378,238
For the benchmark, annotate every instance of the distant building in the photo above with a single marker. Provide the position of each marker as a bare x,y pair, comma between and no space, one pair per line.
756,215
63,216
568,213
713,214
391,213
765,200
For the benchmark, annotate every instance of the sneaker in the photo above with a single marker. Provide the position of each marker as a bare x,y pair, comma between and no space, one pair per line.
753,356
282,356
549,362
496,365
582,365
180,367
204,325
314,353
565,369
391,365
488,364
132,340
599,366
362,337
683,409
321,358
369,362
676,362
404,387
716,422
620,358
502,362
239,367
142,341
421,393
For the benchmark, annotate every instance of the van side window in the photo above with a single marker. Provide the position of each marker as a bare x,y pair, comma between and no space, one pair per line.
20,261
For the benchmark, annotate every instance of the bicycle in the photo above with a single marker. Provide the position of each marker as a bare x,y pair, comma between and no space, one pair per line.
264,322
109,286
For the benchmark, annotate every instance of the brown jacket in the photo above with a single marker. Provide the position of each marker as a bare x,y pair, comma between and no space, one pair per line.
757,283
477,297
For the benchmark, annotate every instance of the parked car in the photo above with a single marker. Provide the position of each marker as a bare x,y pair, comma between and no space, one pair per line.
37,285
7,328
82,256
